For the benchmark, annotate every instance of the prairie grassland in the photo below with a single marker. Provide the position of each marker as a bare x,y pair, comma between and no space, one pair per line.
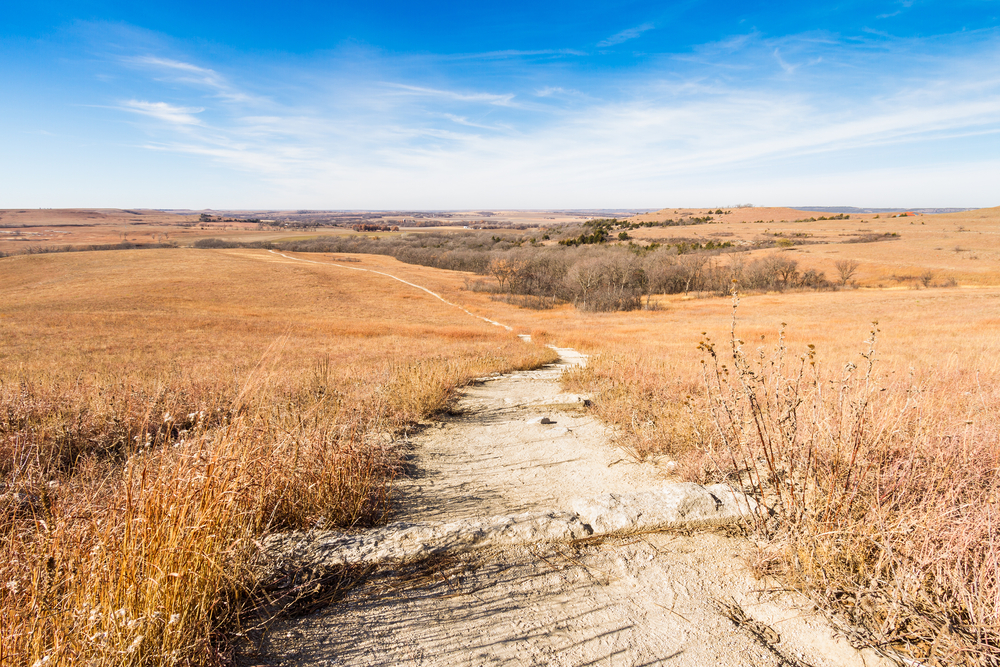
885,484
161,409
46,229
24,229
926,250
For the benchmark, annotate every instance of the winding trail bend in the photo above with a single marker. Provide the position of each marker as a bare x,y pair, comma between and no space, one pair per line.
653,599
389,275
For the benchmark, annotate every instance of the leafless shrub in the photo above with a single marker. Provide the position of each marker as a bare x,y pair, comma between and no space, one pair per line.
871,237
846,268
526,301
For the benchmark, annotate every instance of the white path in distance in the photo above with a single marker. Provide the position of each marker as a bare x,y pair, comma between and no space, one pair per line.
405,282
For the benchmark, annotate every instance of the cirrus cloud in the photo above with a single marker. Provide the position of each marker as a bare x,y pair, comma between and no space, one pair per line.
168,113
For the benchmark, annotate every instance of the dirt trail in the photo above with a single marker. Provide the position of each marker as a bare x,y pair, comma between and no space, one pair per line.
396,278
677,599
493,456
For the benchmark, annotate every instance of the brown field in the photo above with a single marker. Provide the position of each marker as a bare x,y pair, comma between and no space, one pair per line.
887,516
928,249
747,214
161,409
891,517
22,230
901,539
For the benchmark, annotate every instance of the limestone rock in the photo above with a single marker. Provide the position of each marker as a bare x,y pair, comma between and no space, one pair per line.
402,542
671,506
684,505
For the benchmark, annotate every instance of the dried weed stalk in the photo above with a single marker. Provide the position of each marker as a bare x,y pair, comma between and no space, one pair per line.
873,501
130,520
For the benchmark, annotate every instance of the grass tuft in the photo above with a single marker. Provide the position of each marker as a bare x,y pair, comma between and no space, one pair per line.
880,498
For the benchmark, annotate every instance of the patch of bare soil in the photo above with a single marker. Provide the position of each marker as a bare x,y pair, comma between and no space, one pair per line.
659,598
493,455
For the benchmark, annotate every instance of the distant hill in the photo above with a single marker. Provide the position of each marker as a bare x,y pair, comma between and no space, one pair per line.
739,214
853,209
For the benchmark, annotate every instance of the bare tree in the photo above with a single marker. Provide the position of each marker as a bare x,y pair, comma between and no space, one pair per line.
846,269
781,269
504,270
692,266
584,278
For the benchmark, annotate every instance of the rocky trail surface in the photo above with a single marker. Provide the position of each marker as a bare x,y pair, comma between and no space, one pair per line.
494,456
523,537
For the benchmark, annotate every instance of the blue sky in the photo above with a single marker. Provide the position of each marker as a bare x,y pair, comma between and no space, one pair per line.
443,105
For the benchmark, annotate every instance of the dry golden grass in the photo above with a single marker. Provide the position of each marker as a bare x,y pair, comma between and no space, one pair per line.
912,557
963,248
897,529
47,228
895,526
24,230
748,214
160,410
882,489
928,249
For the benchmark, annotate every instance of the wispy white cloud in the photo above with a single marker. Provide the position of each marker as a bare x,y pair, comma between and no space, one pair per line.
625,35
514,53
606,145
904,5
701,126
560,92
168,113
505,99
462,120
199,74
193,75
879,33
789,69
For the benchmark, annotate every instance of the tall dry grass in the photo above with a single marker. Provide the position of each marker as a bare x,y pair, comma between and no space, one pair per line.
138,476
148,561
883,496
880,482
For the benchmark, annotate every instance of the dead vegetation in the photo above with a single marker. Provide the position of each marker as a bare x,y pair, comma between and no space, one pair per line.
880,479
138,418
593,276
152,430
880,503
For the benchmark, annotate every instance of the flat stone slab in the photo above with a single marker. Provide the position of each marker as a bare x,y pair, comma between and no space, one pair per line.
683,505
402,542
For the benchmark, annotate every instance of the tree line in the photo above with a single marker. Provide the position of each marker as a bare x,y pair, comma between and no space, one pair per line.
593,277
